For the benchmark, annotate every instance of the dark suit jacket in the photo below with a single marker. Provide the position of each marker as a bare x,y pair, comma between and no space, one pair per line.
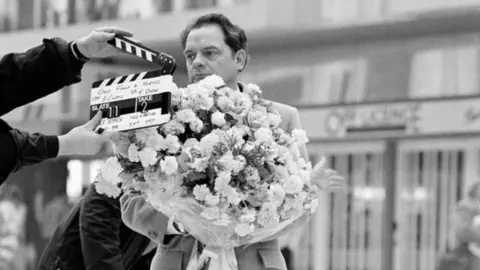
92,236
26,77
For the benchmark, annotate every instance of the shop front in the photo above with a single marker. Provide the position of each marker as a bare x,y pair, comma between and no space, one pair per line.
406,164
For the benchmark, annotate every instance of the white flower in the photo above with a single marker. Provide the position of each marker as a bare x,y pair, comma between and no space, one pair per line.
196,125
244,229
173,127
277,193
300,136
148,157
107,188
263,134
212,200
268,215
282,172
225,104
293,184
201,192
185,115
156,142
111,170
190,143
212,81
218,118
231,194
211,213
169,165
208,142
274,119
200,164
222,181
172,144
227,161
133,153
312,206
239,164
144,134
248,216
223,221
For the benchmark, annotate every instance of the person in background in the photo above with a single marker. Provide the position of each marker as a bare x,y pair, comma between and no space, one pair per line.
92,236
466,254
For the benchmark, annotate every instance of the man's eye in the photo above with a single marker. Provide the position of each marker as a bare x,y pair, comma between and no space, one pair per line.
210,53
190,56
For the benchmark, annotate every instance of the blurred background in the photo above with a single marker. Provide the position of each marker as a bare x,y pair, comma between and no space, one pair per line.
388,90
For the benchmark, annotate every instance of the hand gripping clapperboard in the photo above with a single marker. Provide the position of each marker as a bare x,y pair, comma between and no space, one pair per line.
136,100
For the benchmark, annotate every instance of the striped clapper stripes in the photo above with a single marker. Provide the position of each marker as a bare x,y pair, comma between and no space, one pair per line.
134,101
164,60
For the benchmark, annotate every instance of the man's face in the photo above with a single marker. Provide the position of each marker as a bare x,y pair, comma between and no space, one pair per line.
206,53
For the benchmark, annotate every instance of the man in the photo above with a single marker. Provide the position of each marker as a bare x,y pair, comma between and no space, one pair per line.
92,236
26,77
212,45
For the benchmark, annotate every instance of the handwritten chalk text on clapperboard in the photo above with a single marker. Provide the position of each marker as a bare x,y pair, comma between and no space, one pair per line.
128,90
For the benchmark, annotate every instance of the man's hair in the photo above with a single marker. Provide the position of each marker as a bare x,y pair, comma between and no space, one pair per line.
235,37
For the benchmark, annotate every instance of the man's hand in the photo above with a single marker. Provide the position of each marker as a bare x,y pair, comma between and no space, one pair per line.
83,140
327,179
95,44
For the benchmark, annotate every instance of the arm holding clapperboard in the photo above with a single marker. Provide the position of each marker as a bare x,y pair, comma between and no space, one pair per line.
36,73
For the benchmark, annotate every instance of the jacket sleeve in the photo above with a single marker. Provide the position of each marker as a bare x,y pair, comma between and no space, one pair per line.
141,217
20,148
42,70
100,222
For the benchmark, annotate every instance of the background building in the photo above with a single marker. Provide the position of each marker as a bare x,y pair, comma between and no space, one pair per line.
387,89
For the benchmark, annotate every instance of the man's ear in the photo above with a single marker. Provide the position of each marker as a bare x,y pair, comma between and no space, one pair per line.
241,59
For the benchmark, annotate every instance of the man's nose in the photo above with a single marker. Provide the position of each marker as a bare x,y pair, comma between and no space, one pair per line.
198,61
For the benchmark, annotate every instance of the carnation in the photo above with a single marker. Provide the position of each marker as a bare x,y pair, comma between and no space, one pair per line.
169,165
218,119
300,136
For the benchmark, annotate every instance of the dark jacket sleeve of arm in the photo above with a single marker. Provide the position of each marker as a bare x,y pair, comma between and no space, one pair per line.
19,148
100,221
42,70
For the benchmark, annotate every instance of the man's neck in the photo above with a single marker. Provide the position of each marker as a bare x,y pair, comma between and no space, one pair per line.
233,85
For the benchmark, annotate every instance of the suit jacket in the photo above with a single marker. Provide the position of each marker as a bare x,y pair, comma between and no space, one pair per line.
92,236
174,251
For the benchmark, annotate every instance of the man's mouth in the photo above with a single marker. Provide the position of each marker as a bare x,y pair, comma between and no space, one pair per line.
200,77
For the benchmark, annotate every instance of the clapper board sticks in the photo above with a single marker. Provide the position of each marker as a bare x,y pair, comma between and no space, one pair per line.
133,101
165,61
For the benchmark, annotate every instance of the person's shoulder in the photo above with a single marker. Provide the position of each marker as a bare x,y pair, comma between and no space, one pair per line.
283,108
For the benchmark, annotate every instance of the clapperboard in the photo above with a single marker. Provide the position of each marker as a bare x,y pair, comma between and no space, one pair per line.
164,61
137,100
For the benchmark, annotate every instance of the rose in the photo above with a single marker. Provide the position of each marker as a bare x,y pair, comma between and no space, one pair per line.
256,119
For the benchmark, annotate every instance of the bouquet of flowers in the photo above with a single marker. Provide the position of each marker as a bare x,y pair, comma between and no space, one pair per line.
221,167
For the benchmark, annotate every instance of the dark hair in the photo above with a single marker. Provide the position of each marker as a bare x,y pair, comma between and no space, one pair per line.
235,37
472,190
